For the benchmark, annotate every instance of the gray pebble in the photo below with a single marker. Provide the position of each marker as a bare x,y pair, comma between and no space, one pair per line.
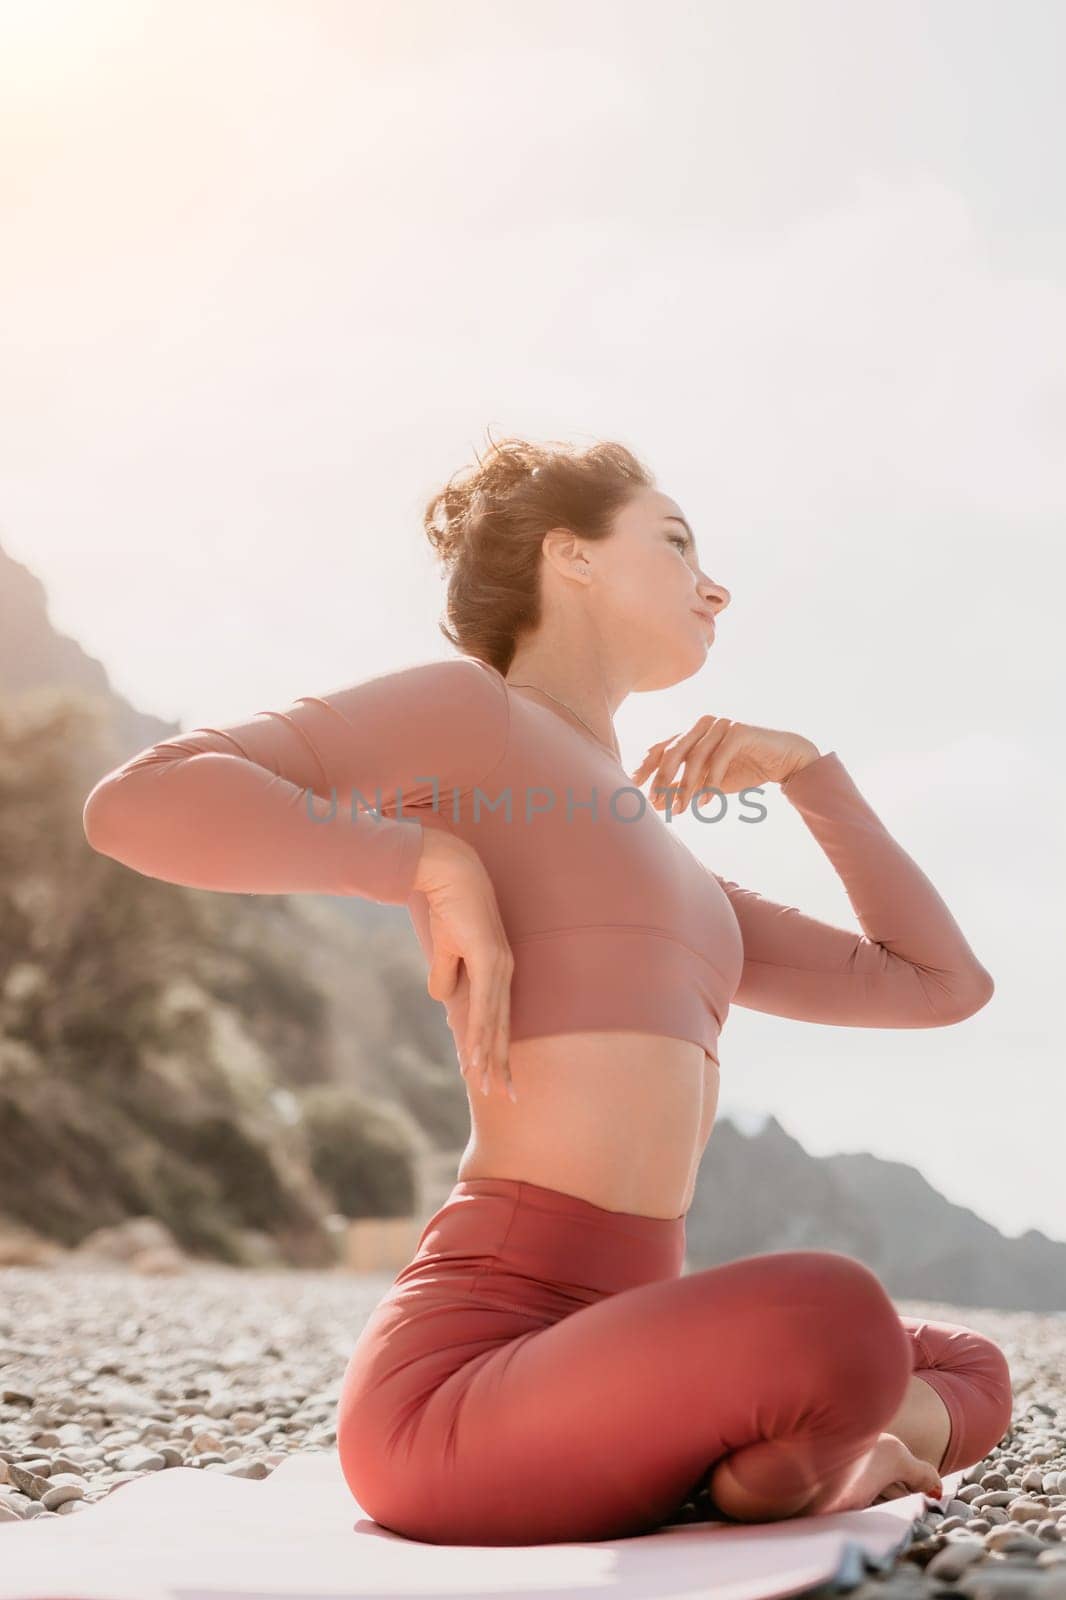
1022,1510
60,1494
141,1461
248,1467
1005,1581
952,1561
1013,1539
30,1483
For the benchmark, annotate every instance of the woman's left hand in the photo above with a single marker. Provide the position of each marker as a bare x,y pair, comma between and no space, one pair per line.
718,753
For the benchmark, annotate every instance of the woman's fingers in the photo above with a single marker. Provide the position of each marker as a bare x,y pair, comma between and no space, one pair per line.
694,749
721,753
640,773
443,975
497,1070
504,1034
488,1017
478,1026
706,762
472,962
677,751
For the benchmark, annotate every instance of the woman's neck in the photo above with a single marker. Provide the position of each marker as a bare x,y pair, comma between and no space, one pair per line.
582,692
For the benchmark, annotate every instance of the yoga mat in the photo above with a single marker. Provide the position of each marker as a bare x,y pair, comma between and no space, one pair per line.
189,1534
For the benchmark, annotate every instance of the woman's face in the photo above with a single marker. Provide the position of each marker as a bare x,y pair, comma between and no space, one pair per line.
649,594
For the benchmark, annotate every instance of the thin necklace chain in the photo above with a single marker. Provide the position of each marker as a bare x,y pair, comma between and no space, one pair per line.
577,714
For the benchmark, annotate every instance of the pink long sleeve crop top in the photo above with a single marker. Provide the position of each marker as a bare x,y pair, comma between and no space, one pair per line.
613,922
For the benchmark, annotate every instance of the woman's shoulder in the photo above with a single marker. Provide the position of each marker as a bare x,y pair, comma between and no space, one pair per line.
453,684
449,717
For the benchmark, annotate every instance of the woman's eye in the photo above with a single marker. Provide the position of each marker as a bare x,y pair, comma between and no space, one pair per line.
680,541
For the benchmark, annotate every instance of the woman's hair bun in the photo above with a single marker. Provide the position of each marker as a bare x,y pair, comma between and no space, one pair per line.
474,490
487,526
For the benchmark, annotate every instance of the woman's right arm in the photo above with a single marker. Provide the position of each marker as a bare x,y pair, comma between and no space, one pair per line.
278,804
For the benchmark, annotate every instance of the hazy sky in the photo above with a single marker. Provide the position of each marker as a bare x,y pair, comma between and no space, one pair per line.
271,268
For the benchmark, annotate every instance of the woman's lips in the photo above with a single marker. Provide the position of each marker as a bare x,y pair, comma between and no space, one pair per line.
706,617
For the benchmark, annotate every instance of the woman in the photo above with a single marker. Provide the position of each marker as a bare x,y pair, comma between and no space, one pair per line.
542,1370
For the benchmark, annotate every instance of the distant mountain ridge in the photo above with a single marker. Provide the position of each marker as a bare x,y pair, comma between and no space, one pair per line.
33,655
759,1191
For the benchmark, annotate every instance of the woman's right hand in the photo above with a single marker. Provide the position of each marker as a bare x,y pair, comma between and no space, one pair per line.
466,928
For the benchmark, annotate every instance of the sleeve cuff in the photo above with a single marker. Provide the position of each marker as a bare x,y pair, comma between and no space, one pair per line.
815,772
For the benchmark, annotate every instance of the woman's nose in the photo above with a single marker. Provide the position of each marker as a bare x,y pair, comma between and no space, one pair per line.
715,594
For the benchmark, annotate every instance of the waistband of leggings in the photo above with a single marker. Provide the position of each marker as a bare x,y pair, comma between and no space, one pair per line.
556,1201
510,1225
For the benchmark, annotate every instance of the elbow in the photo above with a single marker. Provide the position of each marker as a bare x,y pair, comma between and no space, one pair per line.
92,817
98,818
968,996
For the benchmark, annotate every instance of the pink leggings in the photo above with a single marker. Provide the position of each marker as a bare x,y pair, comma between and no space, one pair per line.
542,1371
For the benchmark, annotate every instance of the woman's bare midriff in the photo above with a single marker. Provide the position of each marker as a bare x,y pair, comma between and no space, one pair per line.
620,1119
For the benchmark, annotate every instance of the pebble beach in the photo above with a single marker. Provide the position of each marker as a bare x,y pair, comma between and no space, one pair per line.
106,1375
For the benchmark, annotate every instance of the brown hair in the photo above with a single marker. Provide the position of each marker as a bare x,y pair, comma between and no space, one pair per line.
488,528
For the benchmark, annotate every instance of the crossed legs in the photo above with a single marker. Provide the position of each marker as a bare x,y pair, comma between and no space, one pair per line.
770,1376
957,1406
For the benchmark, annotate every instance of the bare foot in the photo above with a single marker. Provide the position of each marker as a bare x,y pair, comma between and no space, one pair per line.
887,1471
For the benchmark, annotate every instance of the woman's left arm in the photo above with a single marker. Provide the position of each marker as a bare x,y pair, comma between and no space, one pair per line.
910,968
